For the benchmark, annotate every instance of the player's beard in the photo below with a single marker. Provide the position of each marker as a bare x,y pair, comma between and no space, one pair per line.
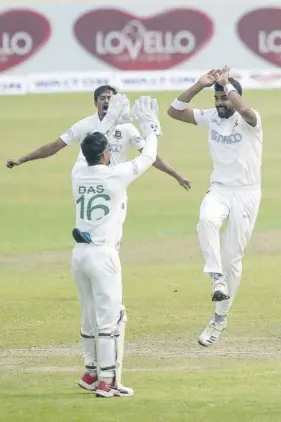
224,112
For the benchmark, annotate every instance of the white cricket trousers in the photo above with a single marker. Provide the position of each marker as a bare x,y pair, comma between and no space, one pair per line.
97,273
239,206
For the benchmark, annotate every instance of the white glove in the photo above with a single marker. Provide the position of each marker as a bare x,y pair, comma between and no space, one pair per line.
125,116
118,105
145,110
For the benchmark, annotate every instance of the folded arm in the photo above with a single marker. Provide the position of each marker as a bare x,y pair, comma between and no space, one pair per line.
243,109
180,108
236,99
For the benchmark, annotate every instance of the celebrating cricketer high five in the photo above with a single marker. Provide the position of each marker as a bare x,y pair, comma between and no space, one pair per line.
99,191
235,143
122,135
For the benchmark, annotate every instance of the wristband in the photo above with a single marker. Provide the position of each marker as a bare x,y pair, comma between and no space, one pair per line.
228,88
179,105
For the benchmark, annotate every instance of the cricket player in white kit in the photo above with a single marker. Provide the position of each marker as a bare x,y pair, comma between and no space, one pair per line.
235,141
99,191
122,135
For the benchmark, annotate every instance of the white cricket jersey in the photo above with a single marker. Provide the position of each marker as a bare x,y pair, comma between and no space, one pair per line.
120,140
99,193
235,147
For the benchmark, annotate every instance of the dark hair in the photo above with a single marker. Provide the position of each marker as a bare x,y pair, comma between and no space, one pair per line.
233,82
93,145
102,89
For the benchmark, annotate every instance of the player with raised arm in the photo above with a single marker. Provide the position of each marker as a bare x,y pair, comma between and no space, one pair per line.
99,191
121,135
235,141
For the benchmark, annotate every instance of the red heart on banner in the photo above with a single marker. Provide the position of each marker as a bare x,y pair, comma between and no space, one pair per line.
128,42
260,30
22,34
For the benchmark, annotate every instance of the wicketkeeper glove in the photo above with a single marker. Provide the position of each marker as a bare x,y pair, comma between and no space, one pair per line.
125,117
118,112
145,110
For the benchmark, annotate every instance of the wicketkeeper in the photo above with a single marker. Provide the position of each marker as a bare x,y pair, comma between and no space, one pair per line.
99,191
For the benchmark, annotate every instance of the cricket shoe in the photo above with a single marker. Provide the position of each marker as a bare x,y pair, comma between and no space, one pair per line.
89,382
219,289
212,332
106,391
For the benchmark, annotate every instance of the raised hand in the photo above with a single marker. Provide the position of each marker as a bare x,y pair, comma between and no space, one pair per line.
223,78
119,105
209,78
145,110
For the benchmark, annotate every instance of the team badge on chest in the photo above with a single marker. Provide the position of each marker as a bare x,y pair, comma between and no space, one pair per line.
118,134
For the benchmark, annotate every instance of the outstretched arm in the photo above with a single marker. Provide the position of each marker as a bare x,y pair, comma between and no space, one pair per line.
166,168
238,102
76,133
70,137
42,152
180,108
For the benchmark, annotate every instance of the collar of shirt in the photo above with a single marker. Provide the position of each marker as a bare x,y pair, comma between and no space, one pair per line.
97,167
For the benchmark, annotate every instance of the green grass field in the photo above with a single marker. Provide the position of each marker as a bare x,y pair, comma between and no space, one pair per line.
165,292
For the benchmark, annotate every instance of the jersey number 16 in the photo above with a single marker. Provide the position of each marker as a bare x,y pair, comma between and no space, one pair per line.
87,206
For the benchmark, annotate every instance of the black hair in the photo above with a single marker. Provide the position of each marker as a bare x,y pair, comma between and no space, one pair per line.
233,82
93,145
103,88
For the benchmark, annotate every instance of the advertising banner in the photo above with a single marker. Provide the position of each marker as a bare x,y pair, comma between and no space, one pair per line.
71,47
41,83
